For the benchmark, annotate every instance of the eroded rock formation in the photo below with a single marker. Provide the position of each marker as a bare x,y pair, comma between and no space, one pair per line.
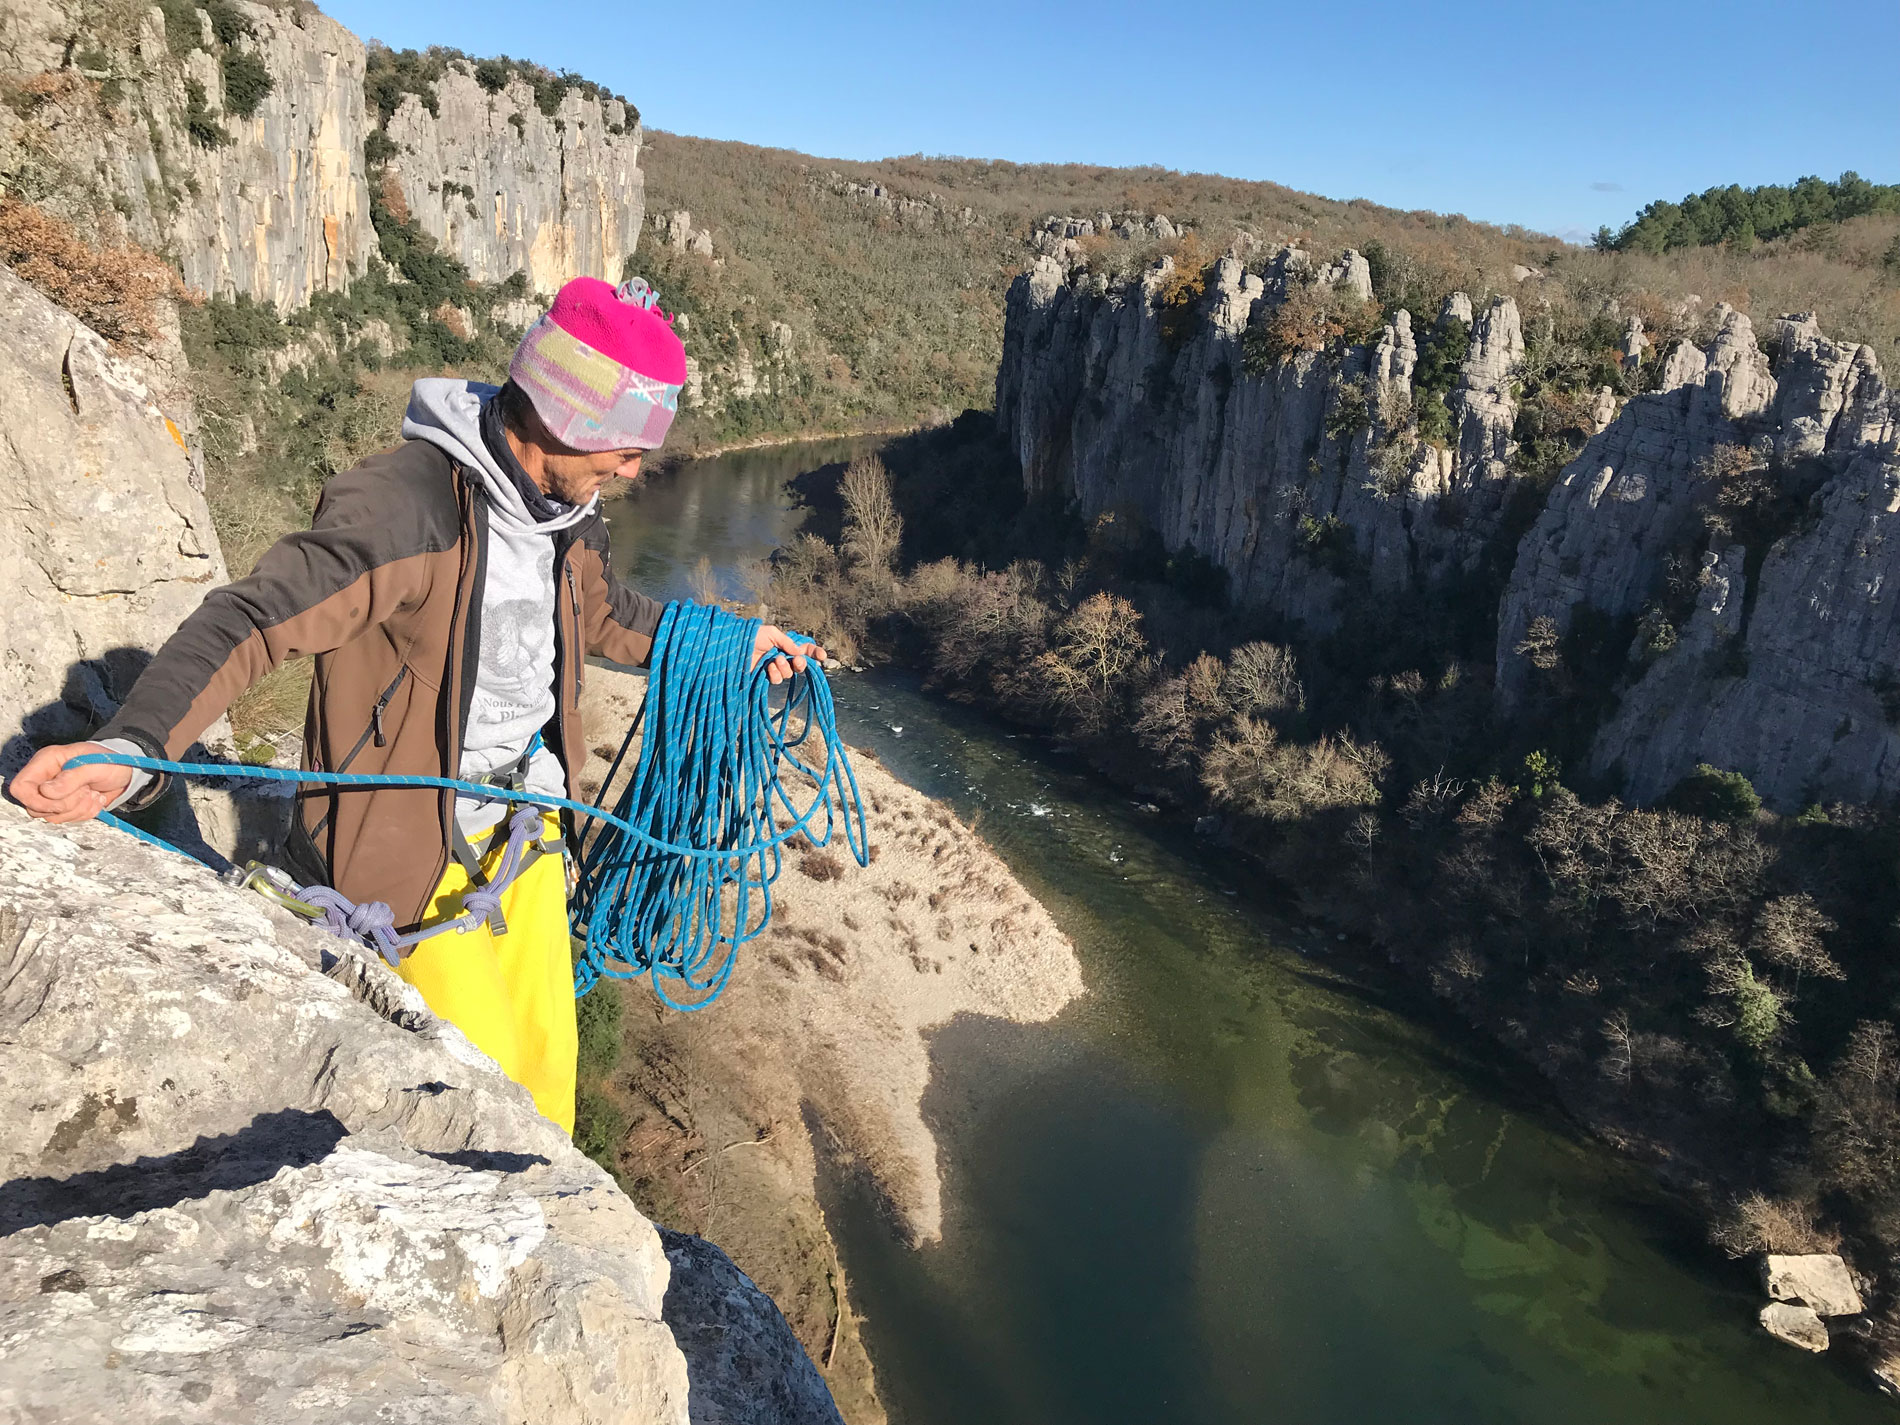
121,130
1296,476
506,188
1304,475
237,1185
129,124
249,1175
1786,667
108,543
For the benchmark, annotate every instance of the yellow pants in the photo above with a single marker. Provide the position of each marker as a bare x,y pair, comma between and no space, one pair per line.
512,994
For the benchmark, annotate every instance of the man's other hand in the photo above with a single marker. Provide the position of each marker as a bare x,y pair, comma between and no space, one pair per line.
52,792
773,639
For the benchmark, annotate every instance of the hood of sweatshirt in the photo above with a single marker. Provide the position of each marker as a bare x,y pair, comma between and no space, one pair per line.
448,414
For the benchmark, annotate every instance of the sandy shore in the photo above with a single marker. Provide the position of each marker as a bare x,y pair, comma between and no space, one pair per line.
820,1044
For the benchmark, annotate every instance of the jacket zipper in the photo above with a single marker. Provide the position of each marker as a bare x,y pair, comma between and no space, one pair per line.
375,728
574,598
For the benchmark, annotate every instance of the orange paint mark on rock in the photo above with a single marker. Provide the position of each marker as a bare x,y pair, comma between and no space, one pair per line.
174,432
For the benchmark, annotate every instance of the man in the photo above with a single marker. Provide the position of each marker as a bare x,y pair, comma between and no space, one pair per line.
450,591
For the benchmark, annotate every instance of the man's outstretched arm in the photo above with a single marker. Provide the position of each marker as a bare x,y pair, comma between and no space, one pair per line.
312,592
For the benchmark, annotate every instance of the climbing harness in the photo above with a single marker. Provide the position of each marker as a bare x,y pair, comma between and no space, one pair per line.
679,873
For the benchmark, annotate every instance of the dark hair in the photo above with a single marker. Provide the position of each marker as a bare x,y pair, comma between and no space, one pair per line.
519,412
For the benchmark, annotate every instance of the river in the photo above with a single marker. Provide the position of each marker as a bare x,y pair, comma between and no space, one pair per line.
1235,1182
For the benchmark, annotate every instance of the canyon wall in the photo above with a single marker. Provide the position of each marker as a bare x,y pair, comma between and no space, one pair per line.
505,188
1304,477
125,120
101,125
1290,478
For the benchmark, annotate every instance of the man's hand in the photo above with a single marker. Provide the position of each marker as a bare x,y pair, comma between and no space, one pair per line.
773,639
56,795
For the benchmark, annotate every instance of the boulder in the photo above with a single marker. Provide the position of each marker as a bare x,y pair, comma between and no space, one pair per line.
1797,1325
250,1176
108,544
1818,1280
236,1185
746,1366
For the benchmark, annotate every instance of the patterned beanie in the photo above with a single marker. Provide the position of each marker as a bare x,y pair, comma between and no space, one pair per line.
602,367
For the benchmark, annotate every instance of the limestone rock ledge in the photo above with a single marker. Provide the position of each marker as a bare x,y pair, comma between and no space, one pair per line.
235,1186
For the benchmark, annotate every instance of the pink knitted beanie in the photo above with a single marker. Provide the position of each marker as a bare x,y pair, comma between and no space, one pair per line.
603,367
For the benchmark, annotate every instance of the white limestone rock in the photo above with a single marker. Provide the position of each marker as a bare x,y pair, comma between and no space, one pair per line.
1231,461
1796,1325
1818,1280
237,1187
108,543
279,213
555,196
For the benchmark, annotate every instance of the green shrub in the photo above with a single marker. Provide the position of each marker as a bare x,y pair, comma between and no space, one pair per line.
1541,773
1723,796
182,32
597,1017
246,82
201,121
228,23
1759,1010
492,74
599,1126
379,148
1433,417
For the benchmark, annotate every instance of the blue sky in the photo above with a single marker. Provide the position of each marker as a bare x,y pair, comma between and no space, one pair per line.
1559,116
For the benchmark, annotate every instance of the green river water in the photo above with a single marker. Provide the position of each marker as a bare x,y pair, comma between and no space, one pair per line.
1232,1183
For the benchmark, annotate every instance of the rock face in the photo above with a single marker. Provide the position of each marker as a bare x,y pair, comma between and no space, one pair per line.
505,188
747,1367
125,125
1786,667
108,543
251,1176
238,1186
1304,478
279,211
1296,477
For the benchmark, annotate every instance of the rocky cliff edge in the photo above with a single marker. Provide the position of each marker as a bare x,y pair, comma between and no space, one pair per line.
251,1177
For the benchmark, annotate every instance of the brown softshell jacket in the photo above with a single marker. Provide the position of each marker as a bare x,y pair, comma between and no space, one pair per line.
385,589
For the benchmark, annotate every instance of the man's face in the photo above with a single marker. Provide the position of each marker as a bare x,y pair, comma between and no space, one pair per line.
577,476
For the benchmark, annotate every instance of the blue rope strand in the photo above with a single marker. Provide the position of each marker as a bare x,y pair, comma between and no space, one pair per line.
680,872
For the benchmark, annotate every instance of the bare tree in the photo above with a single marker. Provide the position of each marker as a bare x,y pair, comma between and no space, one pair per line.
703,583
1096,648
872,526
1788,934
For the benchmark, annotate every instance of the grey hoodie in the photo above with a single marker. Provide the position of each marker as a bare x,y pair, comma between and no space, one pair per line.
514,681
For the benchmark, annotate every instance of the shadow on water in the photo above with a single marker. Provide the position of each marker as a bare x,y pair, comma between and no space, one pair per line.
1081,1273
1236,1182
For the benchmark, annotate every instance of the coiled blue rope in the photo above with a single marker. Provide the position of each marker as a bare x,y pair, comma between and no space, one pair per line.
680,871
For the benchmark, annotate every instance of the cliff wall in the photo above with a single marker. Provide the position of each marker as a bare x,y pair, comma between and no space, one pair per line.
129,121
250,1176
116,122
1273,470
506,188
1746,494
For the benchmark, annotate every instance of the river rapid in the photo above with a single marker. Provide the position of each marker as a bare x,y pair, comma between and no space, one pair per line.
1240,1180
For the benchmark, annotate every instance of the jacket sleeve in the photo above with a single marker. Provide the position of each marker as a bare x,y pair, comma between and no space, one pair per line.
364,556
620,624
